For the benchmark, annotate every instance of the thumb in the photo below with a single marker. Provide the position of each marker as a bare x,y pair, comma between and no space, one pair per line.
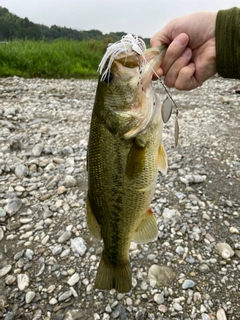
161,37
157,40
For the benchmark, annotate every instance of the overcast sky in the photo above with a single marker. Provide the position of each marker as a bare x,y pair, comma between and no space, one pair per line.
140,17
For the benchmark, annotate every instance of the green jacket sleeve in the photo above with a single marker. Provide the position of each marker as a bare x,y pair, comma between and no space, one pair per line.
228,43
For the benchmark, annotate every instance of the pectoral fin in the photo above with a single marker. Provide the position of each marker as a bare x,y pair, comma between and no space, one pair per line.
93,225
147,229
135,161
162,159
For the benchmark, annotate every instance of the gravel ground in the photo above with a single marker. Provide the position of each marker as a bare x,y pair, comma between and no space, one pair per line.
48,259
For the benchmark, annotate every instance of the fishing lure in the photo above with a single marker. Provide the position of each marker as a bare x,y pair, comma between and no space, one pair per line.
132,43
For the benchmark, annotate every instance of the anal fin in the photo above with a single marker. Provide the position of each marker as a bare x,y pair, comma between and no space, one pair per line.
93,225
147,229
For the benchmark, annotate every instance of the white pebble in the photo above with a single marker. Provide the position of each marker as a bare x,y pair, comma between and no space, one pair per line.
29,296
22,281
73,279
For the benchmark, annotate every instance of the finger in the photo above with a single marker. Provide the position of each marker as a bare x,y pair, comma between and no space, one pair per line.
174,51
159,38
186,79
176,67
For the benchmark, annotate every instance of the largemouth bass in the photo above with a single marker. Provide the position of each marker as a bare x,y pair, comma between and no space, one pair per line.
125,152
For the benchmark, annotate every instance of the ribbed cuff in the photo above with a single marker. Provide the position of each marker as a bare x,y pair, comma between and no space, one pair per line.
228,43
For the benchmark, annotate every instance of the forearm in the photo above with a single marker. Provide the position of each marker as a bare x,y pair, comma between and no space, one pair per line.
228,43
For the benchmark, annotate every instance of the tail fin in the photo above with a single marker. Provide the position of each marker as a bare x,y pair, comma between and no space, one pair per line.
114,277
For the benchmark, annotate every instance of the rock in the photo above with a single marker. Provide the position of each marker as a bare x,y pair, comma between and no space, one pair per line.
22,281
73,279
53,301
78,245
204,268
177,306
188,284
65,295
30,295
4,270
162,308
224,250
61,190
159,276
1,233
234,230
193,178
65,236
57,249
29,254
158,298
9,111
205,316
221,315
173,215
140,315
69,182
180,250
21,171
13,206
10,279
37,150
10,316
2,213
3,302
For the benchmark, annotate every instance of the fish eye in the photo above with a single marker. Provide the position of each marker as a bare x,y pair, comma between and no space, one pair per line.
108,78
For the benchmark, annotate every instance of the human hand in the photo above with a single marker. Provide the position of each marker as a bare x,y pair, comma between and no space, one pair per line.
191,55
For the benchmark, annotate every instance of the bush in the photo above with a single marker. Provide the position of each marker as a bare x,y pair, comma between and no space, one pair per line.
57,59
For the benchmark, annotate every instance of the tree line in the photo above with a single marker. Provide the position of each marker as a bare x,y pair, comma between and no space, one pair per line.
13,27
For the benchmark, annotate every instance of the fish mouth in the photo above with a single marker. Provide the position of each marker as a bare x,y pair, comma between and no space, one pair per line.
154,57
147,65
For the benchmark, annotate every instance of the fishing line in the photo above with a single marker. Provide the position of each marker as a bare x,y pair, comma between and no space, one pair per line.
131,43
166,108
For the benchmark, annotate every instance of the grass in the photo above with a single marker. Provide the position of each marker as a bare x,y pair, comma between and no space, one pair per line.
57,59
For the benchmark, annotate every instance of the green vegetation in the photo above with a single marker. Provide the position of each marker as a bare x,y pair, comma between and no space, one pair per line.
13,27
32,50
57,59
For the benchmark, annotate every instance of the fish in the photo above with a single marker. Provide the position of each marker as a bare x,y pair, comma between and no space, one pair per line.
125,153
